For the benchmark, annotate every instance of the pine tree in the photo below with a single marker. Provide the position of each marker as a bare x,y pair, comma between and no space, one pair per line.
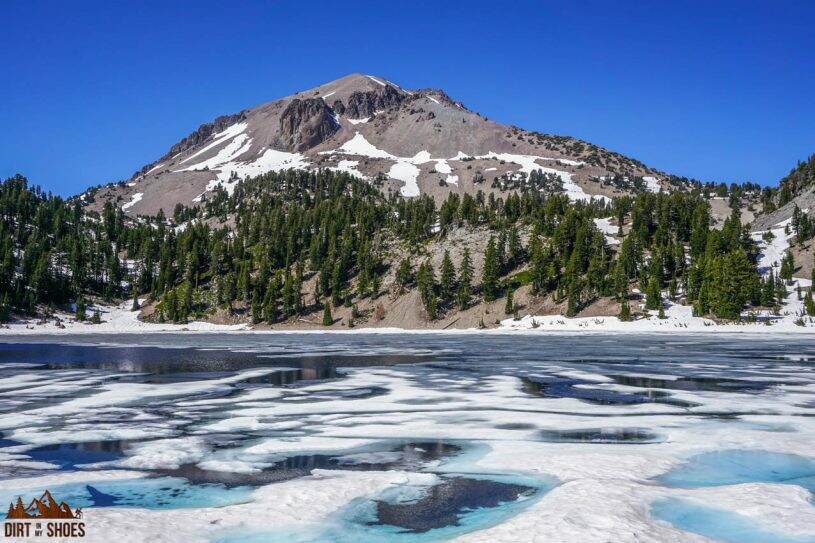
80,309
97,317
404,274
653,296
625,311
809,303
5,309
328,320
257,305
465,279
787,268
768,290
447,280
509,308
489,279
573,303
271,301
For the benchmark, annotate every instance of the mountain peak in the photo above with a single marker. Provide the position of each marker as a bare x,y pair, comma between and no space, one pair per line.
415,141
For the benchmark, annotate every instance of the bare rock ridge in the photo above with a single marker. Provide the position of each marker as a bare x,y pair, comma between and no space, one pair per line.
418,141
366,103
306,123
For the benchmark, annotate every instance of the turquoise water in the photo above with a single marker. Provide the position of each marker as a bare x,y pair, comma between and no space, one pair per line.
718,524
742,466
357,522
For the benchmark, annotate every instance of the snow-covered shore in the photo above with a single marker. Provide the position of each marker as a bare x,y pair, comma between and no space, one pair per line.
678,318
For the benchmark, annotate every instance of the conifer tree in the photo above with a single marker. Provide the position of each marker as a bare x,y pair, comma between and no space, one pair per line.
509,308
328,320
489,280
80,309
5,309
787,268
271,301
404,274
653,296
809,303
447,280
465,279
625,311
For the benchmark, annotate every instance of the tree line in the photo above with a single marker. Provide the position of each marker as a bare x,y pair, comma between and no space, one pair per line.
254,251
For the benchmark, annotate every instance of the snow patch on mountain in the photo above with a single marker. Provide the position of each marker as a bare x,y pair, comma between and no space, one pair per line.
235,148
528,164
271,160
568,162
375,80
219,138
409,173
133,201
608,230
359,121
443,167
405,169
358,145
772,252
349,166
652,184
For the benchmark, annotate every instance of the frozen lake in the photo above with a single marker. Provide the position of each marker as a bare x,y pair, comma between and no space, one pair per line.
415,437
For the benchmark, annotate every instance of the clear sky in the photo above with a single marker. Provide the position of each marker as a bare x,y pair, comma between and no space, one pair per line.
717,90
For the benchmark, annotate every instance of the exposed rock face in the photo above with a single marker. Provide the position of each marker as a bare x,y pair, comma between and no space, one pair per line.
306,123
365,104
339,107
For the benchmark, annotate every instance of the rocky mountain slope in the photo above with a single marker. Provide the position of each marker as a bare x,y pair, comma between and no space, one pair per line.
409,142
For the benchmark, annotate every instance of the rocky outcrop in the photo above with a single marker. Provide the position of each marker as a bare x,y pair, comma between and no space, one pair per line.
306,123
365,103
339,107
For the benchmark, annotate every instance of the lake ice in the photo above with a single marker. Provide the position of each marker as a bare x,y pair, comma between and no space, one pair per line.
415,437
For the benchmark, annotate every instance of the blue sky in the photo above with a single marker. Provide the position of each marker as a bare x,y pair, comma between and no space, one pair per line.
725,91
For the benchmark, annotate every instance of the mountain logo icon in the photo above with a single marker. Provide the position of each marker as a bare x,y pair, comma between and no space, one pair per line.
44,507
46,515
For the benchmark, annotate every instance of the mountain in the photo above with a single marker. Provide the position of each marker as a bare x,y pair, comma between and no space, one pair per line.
409,142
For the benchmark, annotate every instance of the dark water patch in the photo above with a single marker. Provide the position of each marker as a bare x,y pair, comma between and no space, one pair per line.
189,363
69,455
5,442
515,426
601,436
100,499
556,387
445,503
699,383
